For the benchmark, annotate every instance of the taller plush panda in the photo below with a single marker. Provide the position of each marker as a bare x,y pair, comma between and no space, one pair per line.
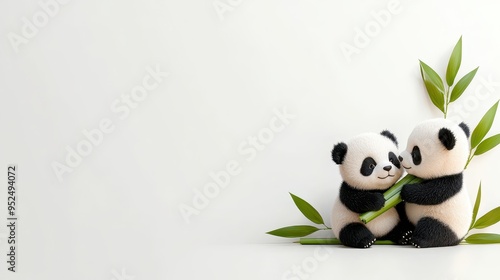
439,207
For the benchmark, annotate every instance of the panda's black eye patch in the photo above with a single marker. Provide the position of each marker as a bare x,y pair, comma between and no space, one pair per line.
416,156
394,160
367,166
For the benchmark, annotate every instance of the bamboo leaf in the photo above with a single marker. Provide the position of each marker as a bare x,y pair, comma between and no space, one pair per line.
293,231
435,95
483,126
488,219
310,212
476,206
487,144
460,87
483,238
433,85
454,63
429,74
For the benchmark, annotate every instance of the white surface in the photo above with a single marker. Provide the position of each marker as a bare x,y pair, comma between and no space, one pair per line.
119,208
316,262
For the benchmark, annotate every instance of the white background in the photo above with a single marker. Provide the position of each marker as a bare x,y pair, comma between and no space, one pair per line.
116,215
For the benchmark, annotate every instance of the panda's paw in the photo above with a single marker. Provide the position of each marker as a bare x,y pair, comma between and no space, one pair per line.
406,239
356,235
378,202
370,243
420,242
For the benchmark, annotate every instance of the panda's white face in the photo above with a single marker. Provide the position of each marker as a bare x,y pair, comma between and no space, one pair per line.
436,148
371,162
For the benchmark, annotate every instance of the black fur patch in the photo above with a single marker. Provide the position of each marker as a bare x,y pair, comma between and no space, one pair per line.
361,201
430,232
391,136
338,153
394,160
356,235
396,235
367,166
447,138
432,192
465,128
416,156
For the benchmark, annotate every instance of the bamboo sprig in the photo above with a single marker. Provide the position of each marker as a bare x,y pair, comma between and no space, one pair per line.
441,95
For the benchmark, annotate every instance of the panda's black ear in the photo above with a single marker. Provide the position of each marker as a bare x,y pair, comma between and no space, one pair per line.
338,152
465,129
447,138
389,135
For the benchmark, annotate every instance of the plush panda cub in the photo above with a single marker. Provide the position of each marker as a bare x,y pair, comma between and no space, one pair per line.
438,207
368,165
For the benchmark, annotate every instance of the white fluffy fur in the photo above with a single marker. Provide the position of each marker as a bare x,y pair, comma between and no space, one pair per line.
369,145
380,226
358,148
455,212
437,161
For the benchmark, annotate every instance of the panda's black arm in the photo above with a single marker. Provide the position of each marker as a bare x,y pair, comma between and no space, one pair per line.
432,192
360,201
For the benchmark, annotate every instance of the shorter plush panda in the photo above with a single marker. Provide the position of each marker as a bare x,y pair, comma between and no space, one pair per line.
369,166
439,207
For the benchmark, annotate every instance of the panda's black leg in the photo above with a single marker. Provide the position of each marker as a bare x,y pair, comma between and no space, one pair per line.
356,235
401,233
430,232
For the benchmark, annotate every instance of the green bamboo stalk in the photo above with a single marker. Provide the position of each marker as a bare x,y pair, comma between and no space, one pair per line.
391,202
335,241
396,188
393,199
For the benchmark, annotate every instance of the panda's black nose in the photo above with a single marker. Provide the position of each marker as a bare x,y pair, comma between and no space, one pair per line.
387,168
400,158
